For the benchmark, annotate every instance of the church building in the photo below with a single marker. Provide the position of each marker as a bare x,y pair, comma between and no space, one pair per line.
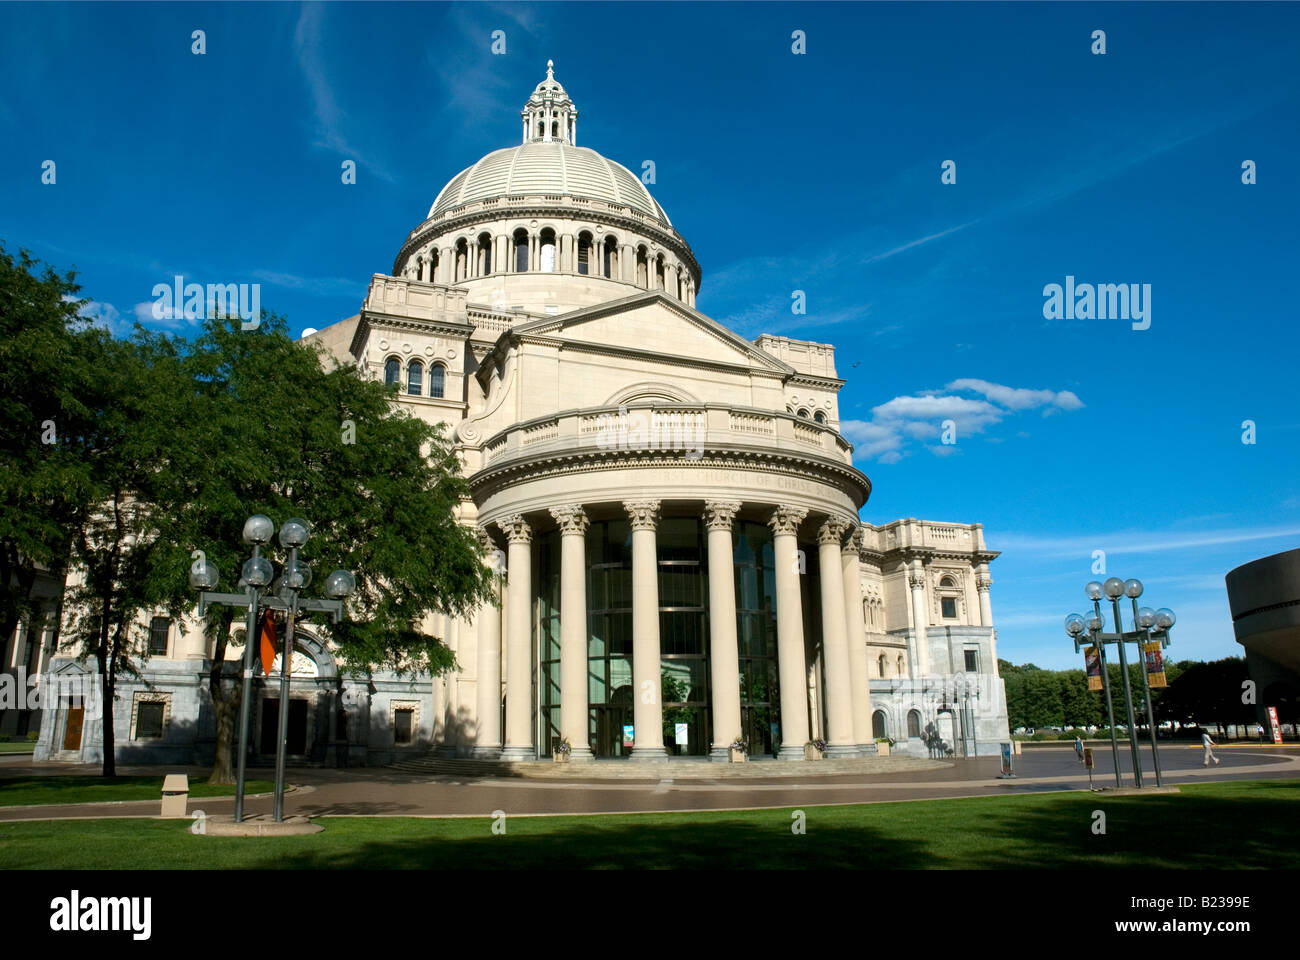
671,508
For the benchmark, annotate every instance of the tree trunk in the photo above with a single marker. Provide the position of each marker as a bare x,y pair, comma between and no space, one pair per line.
226,709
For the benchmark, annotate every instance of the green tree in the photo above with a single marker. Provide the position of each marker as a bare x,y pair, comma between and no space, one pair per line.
1043,706
274,427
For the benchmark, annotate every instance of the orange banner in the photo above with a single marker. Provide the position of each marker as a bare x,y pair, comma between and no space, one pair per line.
269,647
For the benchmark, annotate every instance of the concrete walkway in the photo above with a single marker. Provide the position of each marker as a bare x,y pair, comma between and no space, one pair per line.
387,792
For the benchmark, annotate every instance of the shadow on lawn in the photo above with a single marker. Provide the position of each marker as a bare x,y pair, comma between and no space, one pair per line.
1159,831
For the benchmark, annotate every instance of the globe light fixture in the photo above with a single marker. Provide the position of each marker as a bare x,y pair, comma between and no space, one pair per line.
258,571
1133,589
258,530
1074,625
1114,588
1165,618
299,576
1094,621
294,533
340,584
1093,589
1146,618
204,575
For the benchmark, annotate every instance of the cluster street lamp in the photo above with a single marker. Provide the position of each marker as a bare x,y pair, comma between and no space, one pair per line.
1148,626
283,595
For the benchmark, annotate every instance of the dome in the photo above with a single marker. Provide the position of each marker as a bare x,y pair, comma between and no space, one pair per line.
551,168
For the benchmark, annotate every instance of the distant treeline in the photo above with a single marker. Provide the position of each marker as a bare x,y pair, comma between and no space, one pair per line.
1203,693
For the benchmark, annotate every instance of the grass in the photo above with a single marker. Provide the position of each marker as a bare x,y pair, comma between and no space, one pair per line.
1236,825
17,746
18,791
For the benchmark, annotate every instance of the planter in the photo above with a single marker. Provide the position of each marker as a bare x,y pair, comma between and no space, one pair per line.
810,752
735,756
882,749
560,757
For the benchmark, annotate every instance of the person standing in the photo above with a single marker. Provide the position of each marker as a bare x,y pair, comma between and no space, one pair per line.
1078,748
1207,743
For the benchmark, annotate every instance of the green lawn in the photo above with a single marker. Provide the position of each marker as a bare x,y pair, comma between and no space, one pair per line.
1216,826
17,791
17,746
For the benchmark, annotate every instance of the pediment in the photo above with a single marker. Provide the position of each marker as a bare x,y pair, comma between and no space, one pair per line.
654,323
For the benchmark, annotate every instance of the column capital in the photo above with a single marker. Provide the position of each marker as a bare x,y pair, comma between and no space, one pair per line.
786,519
720,514
572,519
643,514
982,584
832,530
916,581
485,539
516,529
853,545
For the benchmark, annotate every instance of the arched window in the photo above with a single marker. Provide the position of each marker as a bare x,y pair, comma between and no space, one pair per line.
392,371
803,413
880,665
437,380
819,417
555,129
611,257
484,255
415,378
521,249
462,260
900,664
659,273
642,267
584,253
879,725
548,251
913,724
947,582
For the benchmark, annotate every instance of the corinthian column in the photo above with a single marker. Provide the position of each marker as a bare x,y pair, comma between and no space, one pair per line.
856,629
648,709
789,633
519,642
573,628
487,740
921,620
840,741
983,584
724,652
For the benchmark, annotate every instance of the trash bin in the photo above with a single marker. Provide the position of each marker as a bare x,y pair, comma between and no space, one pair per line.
175,794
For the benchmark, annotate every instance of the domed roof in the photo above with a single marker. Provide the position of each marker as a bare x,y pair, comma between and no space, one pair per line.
553,168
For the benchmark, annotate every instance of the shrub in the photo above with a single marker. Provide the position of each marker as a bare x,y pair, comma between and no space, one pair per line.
34,736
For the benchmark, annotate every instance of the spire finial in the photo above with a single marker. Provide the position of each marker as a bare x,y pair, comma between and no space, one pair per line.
550,69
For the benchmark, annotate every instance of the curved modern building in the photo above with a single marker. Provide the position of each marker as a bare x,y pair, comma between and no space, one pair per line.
1264,597
672,507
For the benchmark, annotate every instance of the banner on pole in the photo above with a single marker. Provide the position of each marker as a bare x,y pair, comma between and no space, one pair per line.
1155,664
1272,722
1092,660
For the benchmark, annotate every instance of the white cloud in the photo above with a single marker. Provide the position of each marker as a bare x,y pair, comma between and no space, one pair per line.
922,416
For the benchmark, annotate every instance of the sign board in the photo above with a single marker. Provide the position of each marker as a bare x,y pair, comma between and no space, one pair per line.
1272,722
628,739
1155,664
681,733
1087,757
1092,660
1006,759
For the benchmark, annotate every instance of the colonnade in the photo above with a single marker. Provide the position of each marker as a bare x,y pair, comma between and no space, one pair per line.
469,258
848,717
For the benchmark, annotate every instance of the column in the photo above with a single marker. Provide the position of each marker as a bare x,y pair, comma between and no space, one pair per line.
647,710
856,628
627,263
789,632
670,280
840,738
921,619
519,642
724,651
487,741
573,629
983,583
501,255
534,253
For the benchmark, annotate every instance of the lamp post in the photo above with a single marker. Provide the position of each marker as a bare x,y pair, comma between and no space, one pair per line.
1148,625
1075,626
258,573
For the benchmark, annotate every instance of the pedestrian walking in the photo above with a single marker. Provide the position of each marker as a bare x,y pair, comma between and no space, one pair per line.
1078,748
1206,742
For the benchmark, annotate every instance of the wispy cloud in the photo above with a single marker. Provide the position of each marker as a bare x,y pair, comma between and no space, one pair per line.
330,116
1142,542
318,286
923,416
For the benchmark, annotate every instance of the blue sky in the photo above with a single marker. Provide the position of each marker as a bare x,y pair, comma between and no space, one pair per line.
818,172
